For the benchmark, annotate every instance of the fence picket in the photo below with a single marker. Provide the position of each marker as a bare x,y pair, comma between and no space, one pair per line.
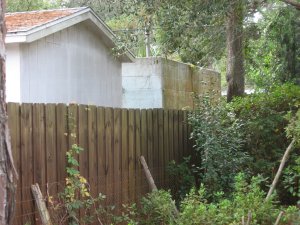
113,139
131,155
50,148
125,157
62,142
27,162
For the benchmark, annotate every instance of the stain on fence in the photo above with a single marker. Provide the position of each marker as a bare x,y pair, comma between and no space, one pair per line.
113,140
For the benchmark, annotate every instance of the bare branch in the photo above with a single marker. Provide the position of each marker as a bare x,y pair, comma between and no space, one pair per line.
279,171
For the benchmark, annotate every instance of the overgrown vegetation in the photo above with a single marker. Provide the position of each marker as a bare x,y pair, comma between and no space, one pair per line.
219,138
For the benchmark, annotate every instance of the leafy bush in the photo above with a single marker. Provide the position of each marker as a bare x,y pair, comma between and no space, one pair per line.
247,197
264,119
157,208
183,178
219,138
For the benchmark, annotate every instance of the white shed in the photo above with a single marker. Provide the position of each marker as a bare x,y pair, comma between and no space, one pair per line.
62,56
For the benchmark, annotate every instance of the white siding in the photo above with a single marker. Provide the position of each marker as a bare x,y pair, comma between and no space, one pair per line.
13,73
69,66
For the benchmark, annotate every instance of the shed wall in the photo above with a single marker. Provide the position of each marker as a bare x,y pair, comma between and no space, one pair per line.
72,65
13,73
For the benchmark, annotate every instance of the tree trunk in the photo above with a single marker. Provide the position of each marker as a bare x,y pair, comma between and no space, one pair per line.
235,72
7,187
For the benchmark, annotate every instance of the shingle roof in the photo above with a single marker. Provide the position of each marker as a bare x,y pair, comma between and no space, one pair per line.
26,27
24,21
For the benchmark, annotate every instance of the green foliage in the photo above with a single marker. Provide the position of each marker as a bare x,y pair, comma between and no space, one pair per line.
263,115
183,178
219,139
30,5
75,204
105,9
272,50
293,128
157,208
129,35
247,197
264,118
291,179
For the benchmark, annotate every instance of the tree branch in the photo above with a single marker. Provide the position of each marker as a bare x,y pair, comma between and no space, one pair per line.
293,3
281,166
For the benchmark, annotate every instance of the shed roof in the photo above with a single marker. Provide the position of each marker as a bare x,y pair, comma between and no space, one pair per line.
27,27
24,21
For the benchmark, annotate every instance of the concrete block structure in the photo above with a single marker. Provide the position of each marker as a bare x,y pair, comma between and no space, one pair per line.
162,83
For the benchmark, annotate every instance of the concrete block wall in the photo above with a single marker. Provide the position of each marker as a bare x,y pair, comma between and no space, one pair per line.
163,83
142,83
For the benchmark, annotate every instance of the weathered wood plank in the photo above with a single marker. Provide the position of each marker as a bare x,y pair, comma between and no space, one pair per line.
27,165
83,140
92,150
155,151
117,158
161,149
185,135
180,135
149,128
125,157
62,143
171,134
101,140
109,161
166,148
175,135
39,148
138,173
131,154
144,145
51,154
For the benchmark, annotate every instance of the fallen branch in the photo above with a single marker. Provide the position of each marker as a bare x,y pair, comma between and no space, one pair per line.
279,171
249,218
278,218
152,183
40,203
148,174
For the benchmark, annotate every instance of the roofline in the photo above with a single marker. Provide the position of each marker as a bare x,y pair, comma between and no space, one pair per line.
41,31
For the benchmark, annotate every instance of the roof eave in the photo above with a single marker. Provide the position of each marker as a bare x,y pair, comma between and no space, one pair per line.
65,22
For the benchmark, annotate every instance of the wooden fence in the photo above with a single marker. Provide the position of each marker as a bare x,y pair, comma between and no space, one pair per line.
113,140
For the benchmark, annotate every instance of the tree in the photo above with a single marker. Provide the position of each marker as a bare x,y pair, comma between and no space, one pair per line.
30,5
272,53
7,171
106,9
200,31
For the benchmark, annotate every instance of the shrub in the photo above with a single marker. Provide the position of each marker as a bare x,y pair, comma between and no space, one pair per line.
183,178
157,208
247,197
219,139
264,121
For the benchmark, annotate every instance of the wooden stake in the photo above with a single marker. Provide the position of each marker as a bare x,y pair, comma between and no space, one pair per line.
278,218
148,174
249,218
152,183
282,163
40,203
